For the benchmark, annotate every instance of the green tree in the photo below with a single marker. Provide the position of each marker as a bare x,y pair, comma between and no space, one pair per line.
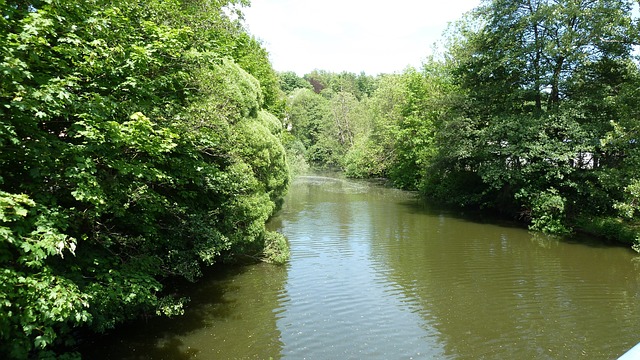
306,115
290,81
253,58
374,153
541,79
404,113
133,150
343,124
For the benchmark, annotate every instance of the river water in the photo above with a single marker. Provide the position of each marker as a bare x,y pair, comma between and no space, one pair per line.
376,274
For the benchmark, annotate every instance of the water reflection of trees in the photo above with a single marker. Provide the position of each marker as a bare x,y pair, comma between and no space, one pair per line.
485,291
499,292
231,315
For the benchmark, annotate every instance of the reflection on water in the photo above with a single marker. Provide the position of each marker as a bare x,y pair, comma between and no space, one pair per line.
230,316
340,302
374,274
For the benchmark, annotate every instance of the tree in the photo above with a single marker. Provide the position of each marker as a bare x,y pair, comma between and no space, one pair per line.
399,141
290,81
133,150
527,68
306,116
374,153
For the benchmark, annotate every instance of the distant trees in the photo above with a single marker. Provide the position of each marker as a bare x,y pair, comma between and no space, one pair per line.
289,81
532,112
542,81
325,118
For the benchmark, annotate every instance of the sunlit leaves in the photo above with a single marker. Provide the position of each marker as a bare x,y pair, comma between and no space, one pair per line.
544,84
14,207
33,305
33,300
134,149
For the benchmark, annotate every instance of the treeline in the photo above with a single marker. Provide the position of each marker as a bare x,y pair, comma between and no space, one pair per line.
533,111
137,144
141,141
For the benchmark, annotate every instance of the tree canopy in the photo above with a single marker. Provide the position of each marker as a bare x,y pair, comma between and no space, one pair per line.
136,146
142,141
530,112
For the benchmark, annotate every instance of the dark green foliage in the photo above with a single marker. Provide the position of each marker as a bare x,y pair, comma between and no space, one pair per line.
289,81
133,150
545,89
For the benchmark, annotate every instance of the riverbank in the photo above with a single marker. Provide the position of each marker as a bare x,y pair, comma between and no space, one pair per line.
611,230
378,273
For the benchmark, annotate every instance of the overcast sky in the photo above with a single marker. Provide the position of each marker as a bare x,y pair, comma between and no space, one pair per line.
351,35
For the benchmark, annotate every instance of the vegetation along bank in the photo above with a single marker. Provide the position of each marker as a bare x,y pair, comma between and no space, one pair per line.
144,141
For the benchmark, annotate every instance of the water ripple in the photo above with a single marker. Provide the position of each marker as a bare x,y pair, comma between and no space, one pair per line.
374,274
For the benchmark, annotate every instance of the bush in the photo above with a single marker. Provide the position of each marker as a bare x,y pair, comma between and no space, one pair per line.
276,249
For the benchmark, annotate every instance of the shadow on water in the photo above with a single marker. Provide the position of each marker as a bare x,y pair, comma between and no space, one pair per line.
132,340
218,299
491,289
421,206
379,273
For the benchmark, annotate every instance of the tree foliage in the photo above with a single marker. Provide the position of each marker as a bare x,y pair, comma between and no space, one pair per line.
135,147
542,81
531,112
289,81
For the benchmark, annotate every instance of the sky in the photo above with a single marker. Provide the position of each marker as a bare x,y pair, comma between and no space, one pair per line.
351,35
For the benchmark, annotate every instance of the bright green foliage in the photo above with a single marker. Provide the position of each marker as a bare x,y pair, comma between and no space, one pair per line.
327,124
547,210
290,81
368,126
328,117
296,155
276,249
343,123
374,154
34,299
254,59
360,86
405,110
134,148
631,205
264,153
305,116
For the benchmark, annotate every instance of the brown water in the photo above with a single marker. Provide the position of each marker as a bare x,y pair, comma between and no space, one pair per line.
374,274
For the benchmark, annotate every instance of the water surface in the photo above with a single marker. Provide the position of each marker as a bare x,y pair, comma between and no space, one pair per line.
376,274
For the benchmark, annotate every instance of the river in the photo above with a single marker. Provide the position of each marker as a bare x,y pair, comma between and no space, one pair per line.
377,274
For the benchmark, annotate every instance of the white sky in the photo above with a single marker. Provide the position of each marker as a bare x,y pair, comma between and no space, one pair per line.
351,35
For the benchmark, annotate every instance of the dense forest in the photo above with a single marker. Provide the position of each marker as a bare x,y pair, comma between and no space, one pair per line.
138,144
143,141
532,111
